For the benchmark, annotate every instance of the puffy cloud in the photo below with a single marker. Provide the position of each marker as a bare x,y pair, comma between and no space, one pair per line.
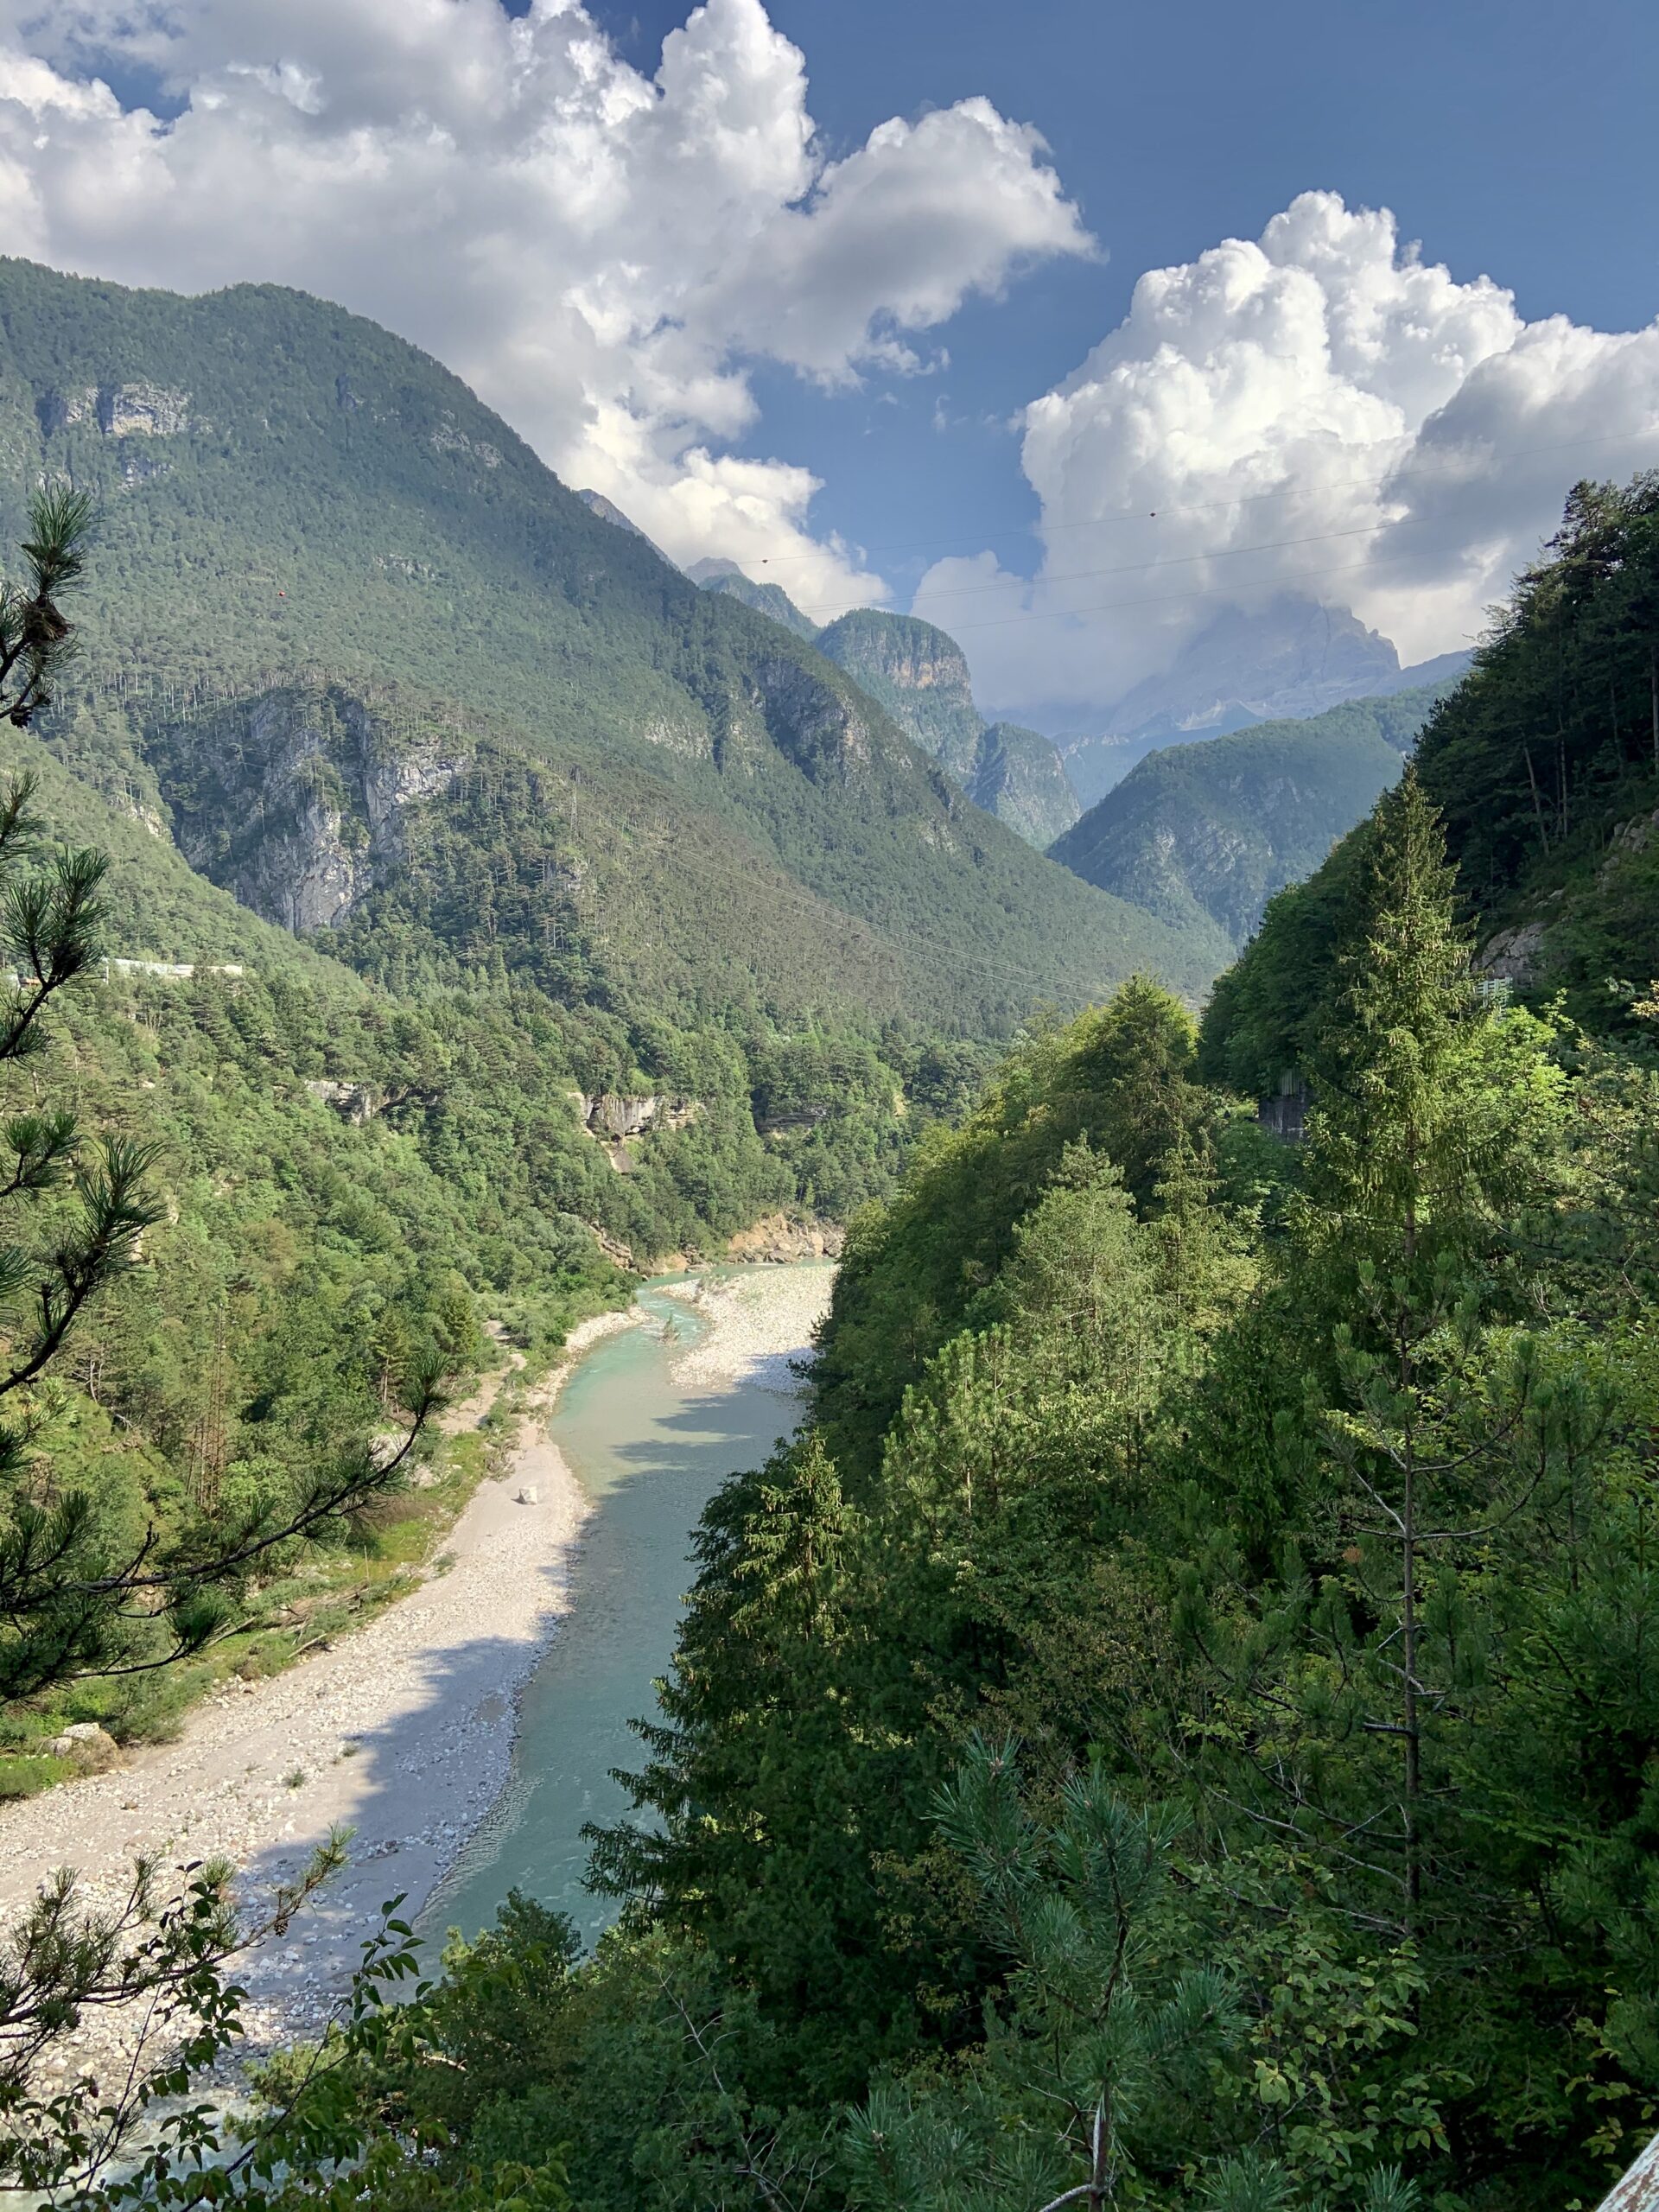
599,254
1318,410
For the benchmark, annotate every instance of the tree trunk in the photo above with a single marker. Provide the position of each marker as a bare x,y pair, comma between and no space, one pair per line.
1408,1703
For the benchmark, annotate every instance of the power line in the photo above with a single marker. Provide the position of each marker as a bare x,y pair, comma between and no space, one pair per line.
1030,526
1172,560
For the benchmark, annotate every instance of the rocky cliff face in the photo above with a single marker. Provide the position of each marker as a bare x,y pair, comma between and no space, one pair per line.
295,800
921,676
1018,778
918,675
141,409
810,721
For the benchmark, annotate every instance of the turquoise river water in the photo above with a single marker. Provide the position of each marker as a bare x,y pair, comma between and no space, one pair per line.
649,1453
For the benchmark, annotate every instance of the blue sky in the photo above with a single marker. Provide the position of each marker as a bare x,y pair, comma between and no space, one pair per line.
1513,138
802,290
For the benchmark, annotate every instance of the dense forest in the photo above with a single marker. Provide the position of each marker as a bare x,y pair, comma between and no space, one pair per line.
1177,1727
1545,764
350,1169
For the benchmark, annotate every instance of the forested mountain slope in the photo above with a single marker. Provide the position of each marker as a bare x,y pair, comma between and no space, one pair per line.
1210,830
920,676
286,489
1544,762
765,598
1177,1727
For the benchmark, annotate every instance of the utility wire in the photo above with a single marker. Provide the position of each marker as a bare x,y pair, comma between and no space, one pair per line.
1171,561
1031,526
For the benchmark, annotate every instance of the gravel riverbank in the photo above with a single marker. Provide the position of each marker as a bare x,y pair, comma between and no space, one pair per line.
403,1733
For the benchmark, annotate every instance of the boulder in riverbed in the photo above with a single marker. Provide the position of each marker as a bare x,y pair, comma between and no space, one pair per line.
90,1747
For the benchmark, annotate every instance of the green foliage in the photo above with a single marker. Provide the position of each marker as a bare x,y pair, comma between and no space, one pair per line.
1306,1553
1206,833
1121,1079
746,819
1544,764
1294,1512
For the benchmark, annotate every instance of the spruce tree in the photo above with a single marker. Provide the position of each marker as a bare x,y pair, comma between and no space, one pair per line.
1439,1433
1393,1162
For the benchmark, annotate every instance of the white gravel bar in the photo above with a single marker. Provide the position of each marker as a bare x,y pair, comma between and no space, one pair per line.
403,1731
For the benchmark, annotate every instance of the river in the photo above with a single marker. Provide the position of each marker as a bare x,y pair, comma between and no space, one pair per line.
649,1449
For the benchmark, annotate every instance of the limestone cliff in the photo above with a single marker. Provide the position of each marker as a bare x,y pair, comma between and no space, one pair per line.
920,675
295,799
1019,778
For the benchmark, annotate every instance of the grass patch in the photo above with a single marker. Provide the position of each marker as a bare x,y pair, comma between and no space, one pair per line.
25,1775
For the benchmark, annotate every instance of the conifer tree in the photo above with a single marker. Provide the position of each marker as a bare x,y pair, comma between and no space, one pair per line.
1439,1436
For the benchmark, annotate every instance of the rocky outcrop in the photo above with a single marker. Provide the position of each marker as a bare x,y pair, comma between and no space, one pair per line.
1512,957
615,1249
119,410
91,1748
794,1122
779,1240
809,721
616,1116
447,438
355,1103
295,800
920,676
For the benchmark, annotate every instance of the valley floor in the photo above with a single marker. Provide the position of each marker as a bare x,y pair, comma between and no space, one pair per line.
403,1733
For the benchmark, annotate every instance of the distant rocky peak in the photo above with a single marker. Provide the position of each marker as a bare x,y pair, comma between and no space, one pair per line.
1295,657
607,511
903,650
920,674
730,581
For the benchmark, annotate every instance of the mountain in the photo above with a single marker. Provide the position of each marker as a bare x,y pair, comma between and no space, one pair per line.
765,599
1289,662
1017,777
920,676
1212,829
607,511
667,791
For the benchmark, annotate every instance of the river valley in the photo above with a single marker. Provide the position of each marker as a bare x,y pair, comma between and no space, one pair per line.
650,1423
466,1735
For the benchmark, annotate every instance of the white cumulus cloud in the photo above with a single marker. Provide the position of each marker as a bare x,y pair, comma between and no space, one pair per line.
600,254
1318,410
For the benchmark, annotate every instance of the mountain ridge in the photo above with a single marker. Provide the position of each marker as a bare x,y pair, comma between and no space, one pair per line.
1295,659
217,430
1214,827
919,675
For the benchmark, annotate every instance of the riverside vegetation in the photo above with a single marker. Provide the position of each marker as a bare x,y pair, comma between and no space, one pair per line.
609,930
1176,1727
